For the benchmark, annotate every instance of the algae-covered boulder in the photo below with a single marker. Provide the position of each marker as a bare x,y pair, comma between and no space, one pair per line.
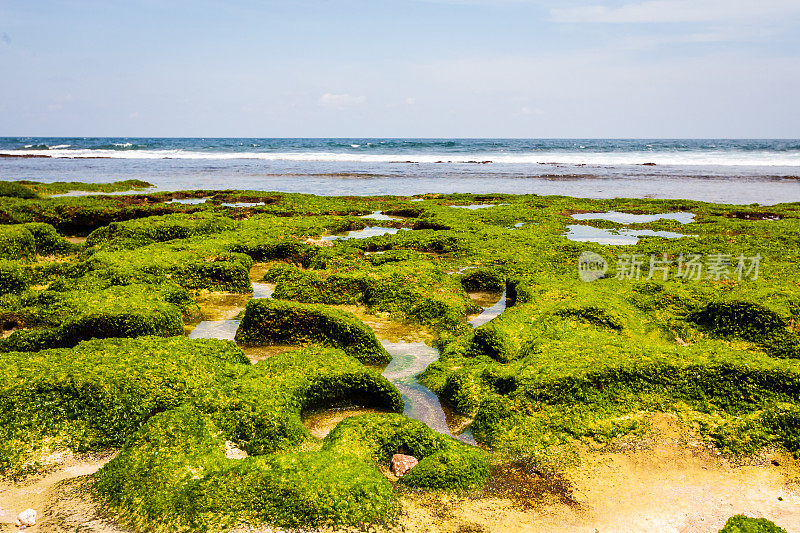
14,189
262,409
273,321
12,278
173,475
60,319
25,241
140,232
48,241
492,341
95,395
414,290
750,321
16,242
744,524
444,463
483,279
191,269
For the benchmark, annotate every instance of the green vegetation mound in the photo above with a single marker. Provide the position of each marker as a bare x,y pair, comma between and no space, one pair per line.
173,476
15,189
95,395
567,361
744,524
60,319
752,322
273,321
445,463
416,290
140,232
63,187
25,241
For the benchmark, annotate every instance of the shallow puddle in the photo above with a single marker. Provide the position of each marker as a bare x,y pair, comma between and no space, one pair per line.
630,218
366,233
408,360
387,329
188,201
621,237
221,305
259,353
221,310
215,329
476,206
378,215
493,304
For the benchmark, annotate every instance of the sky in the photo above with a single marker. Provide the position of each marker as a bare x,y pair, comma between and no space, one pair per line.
401,68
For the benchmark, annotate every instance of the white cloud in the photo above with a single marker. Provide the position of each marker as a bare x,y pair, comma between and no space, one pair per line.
667,11
340,101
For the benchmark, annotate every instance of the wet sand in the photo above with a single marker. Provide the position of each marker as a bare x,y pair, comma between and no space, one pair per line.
670,481
46,494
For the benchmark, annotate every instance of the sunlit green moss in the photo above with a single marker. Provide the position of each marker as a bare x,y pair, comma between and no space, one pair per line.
566,361
272,321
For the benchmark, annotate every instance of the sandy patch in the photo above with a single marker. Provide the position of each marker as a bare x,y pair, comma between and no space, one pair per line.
44,494
670,482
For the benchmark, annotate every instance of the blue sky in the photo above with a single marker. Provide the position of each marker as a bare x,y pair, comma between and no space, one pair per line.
413,68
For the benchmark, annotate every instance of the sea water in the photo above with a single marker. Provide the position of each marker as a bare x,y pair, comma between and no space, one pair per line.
718,170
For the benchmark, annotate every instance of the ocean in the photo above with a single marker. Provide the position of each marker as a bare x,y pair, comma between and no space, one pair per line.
717,170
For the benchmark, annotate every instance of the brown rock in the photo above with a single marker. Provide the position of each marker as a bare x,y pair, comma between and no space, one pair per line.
401,464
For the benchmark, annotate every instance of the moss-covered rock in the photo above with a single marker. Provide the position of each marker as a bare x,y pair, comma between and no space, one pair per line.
483,279
16,190
744,524
444,463
95,395
60,319
413,290
140,232
173,476
16,242
12,278
273,321
750,321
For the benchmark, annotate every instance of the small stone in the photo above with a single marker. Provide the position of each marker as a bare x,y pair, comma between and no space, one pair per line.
26,518
234,452
401,464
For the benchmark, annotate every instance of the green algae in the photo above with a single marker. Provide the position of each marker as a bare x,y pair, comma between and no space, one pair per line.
62,318
567,361
64,187
744,524
277,322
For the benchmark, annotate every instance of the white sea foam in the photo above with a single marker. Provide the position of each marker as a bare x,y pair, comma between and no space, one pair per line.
699,158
